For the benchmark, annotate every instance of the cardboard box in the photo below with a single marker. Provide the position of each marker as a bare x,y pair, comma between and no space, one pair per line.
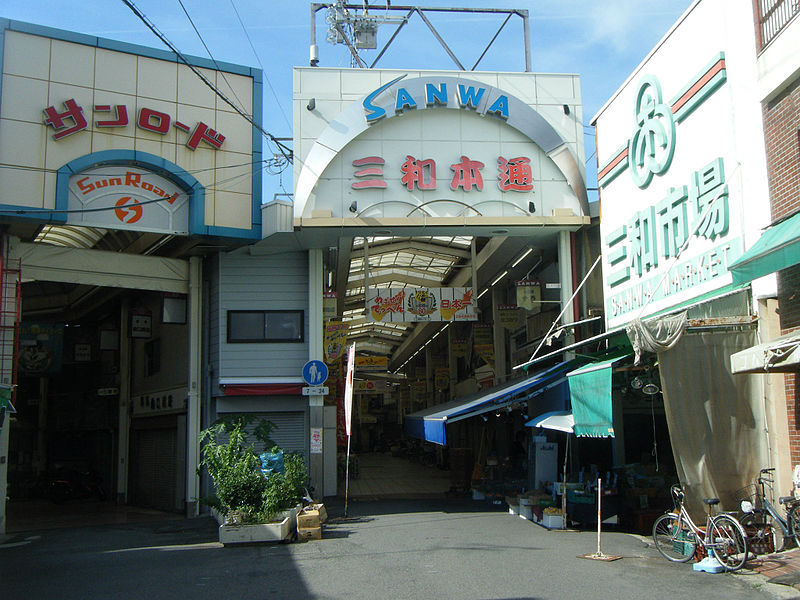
323,514
553,521
309,517
309,533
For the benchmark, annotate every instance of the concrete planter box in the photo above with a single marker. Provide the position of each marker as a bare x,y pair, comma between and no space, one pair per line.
276,531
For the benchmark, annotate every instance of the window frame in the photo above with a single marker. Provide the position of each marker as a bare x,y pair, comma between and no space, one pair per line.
265,339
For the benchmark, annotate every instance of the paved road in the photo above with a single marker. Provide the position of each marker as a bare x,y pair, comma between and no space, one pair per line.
384,550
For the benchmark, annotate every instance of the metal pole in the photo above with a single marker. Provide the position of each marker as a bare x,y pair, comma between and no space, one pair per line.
347,477
599,517
526,33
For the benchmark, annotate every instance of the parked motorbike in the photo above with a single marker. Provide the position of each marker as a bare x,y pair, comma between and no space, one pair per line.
71,484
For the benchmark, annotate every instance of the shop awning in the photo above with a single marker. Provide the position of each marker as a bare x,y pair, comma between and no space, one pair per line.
590,394
429,424
781,355
560,420
777,248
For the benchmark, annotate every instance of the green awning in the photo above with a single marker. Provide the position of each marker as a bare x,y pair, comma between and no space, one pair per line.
590,394
777,248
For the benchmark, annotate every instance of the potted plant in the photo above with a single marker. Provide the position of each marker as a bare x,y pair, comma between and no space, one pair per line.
251,503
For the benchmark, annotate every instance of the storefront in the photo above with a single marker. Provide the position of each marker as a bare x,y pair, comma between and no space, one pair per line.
683,190
109,199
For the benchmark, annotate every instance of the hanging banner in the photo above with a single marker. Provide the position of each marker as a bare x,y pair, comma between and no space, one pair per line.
482,342
335,340
529,295
329,303
372,363
371,386
348,388
40,348
509,316
414,305
458,347
441,378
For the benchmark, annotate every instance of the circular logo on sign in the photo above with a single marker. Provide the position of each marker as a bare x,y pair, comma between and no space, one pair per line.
421,303
652,144
128,214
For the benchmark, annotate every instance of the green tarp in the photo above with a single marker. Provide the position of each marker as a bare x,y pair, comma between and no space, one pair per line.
590,394
777,248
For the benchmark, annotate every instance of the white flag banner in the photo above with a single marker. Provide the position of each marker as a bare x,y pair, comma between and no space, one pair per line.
348,388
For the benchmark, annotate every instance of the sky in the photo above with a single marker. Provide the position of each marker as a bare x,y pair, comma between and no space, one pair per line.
603,42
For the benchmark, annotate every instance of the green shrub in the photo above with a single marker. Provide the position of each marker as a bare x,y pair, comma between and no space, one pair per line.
235,468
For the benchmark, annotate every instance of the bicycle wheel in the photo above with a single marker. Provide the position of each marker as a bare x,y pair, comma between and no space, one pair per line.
674,543
764,533
793,520
729,542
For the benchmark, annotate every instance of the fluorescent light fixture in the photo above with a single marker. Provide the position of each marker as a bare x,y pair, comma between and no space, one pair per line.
521,258
482,293
499,277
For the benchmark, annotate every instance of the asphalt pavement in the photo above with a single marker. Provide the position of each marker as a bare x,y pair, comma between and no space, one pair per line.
390,549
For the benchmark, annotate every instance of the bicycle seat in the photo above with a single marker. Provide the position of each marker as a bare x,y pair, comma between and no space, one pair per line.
711,501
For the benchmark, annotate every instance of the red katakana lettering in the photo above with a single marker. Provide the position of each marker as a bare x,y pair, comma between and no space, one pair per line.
515,174
120,115
152,120
466,174
203,133
56,119
419,172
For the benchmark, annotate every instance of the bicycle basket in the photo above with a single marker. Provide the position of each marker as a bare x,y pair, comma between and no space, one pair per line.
749,493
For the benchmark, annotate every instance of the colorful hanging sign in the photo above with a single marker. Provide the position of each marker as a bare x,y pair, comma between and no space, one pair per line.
413,305
335,340
372,363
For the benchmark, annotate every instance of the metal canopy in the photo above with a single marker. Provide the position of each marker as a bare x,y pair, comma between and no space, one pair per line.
778,356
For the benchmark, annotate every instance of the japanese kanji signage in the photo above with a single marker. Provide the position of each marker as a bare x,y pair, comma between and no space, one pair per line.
335,340
371,363
669,228
412,305
134,199
437,146
529,295
513,174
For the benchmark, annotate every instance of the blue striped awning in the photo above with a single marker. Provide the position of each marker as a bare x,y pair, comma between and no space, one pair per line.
429,424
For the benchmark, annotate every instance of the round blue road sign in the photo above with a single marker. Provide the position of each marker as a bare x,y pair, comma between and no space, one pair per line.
315,372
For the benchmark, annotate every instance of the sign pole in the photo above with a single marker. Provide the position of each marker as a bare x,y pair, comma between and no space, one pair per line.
347,477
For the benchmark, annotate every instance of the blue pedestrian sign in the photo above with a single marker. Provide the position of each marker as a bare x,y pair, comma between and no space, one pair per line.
315,372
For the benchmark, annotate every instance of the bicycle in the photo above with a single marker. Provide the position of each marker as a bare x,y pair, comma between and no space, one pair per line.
676,535
767,530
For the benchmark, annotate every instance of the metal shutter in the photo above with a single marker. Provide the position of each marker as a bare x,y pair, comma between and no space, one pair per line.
154,469
289,432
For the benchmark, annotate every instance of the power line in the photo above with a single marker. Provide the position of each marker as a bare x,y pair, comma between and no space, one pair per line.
211,56
287,153
260,64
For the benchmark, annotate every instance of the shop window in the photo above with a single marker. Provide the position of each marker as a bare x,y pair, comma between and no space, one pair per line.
265,326
152,358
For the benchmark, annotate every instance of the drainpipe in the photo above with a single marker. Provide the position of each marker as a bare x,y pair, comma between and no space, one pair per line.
194,386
